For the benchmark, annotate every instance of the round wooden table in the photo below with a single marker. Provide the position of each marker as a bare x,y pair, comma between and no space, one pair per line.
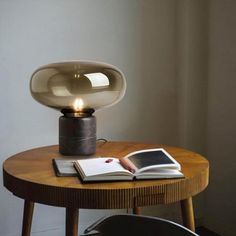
30,175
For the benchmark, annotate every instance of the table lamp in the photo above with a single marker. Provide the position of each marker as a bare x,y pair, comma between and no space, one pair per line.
77,89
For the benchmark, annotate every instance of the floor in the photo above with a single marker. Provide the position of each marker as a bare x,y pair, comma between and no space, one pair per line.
202,231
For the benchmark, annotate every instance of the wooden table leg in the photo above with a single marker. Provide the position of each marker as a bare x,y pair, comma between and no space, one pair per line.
188,213
27,218
72,217
137,210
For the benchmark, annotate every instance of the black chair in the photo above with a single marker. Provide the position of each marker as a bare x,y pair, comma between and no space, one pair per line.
137,225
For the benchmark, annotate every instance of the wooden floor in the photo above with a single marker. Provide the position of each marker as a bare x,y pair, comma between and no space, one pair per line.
202,231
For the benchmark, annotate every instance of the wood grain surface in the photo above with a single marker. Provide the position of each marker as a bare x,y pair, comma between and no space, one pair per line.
30,175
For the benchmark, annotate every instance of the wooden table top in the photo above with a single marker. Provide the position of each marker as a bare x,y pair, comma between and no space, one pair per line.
30,175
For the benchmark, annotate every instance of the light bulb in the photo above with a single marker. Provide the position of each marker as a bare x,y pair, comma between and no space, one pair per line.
78,105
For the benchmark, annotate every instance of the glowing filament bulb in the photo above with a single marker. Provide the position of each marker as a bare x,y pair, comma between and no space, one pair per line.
78,104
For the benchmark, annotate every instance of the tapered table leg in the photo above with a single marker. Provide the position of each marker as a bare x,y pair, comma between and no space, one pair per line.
137,210
27,218
188,213
72,217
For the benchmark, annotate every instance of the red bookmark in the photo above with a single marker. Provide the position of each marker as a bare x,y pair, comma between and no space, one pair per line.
109,160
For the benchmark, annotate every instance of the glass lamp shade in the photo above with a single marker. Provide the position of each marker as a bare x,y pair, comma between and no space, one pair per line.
77,85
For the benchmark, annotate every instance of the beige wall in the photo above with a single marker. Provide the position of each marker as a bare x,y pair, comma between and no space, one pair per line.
207,76
221,203
139,37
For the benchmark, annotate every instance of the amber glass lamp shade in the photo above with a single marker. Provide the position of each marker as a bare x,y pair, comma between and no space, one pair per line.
77,86
77,89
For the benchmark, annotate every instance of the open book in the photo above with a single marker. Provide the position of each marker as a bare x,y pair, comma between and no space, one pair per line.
143,164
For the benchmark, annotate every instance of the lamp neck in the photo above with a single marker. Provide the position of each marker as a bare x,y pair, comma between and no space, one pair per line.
73,113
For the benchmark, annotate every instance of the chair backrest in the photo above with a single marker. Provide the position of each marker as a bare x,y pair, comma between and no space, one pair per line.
128,225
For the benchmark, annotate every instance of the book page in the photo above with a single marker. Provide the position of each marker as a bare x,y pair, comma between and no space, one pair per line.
165,173
152,158
100,166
